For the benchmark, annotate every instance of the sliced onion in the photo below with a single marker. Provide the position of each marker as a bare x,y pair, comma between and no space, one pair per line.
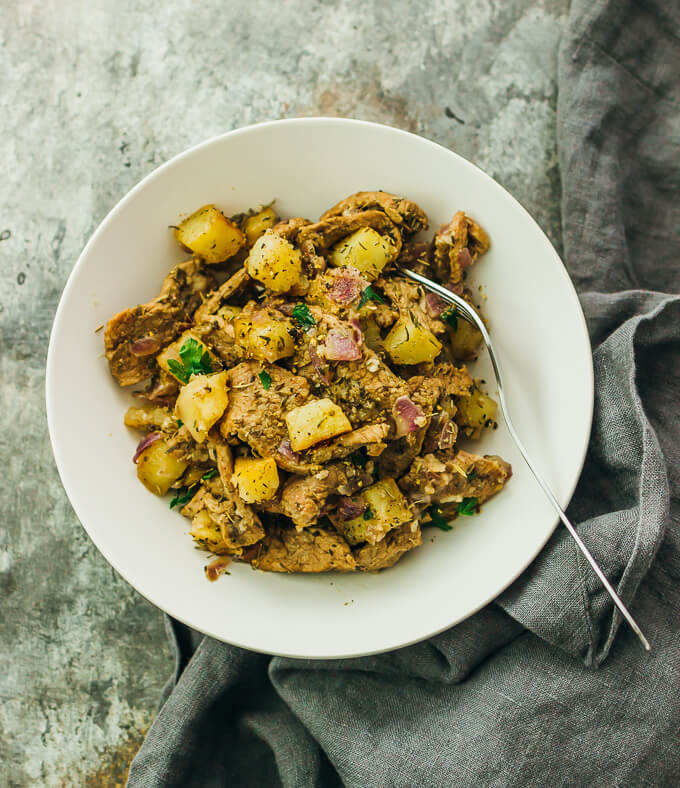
349,509
315,358
145,346
348,284
408,416
145,442
441,434
215,568
287,451
464,258
343,346
435,305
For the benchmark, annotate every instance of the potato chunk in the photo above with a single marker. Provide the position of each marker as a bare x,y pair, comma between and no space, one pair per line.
206,532
275,262
202,402
314,422
258,224
266,335
172,353
410,343
157,470
210,235
387,509
465,340
256,478
366,250
475,413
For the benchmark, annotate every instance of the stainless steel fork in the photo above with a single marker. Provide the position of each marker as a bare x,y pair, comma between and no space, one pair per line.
465,311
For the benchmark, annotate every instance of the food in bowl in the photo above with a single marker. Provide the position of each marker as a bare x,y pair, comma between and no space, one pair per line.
304,403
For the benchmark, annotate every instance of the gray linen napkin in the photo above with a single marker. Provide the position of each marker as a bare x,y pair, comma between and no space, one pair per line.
541,686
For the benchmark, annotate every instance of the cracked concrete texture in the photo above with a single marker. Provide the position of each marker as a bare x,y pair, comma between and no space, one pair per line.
95,98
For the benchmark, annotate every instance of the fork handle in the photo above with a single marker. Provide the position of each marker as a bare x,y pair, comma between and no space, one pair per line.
469,314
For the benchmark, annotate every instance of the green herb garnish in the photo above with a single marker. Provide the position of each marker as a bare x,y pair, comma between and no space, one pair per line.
212,472
451,317
184,495
368,515
180,423
468,506
265,379
195,360
369,294
303,316
472,475
438,518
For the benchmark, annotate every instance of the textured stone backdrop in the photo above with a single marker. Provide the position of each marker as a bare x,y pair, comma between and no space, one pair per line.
95,95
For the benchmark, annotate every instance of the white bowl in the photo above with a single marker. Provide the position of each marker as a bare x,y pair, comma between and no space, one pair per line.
535,320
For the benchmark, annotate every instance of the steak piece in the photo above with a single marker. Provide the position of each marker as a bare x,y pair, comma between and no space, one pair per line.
386,553
313,550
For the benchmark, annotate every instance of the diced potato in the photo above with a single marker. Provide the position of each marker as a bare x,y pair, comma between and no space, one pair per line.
275,262
256,478
207,532
410,343
148,418
258,224
210,235
387,509
475,413
366,250
202,402
193,476
172,352
266,335
157,470
314,422
465,340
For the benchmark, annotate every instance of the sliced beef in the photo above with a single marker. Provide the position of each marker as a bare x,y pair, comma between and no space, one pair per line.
318,238
432,480
366,390
217,331
457,245
285,549
235,284
370,435
305,499
386,553
255,414
409,298
133,337
188,282
408,216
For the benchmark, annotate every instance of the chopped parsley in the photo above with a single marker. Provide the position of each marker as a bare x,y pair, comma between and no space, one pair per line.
450,316
180,423
303,316
472,475
212,472
184,495
438,518
265,379
368,515
369,294
468,506
195,360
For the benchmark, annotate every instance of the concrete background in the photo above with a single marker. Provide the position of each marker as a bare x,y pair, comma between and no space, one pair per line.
95,95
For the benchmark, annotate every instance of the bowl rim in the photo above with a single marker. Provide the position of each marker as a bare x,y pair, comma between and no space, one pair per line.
51,372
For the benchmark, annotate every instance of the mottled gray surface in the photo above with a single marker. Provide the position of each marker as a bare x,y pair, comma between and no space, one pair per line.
94,97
